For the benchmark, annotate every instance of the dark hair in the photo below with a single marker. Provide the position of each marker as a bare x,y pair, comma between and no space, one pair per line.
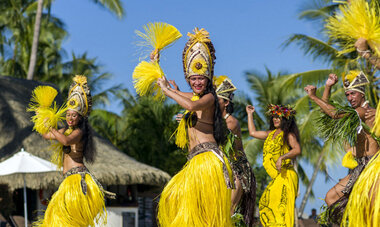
89,150
230,106
220,127
288,125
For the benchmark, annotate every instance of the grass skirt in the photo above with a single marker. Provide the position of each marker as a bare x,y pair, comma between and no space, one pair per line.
69,207
363,207
197,195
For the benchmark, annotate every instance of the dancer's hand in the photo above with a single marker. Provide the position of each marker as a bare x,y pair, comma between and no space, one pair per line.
361,45
175,86
250,109
154,56
178,117
311,90
278,164
332,80
163,83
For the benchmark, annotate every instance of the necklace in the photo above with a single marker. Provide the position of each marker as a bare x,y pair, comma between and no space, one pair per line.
226,116
364,104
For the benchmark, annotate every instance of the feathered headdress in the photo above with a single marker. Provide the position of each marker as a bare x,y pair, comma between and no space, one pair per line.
199,55
355,81
280,111
224,87
79,98
356,19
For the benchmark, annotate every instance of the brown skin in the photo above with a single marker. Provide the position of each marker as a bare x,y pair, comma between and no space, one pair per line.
366,145
293,143
204,108
364,52
234,126
75,157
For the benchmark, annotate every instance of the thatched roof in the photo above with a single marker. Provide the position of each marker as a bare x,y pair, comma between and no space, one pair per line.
111,166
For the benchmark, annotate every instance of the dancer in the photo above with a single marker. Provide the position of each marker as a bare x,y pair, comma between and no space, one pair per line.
364,146
281,147
243,198
79,200
200,194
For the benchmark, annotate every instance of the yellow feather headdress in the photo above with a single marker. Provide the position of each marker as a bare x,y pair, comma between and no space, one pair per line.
198,55
224,87
355,80
80,99
356,19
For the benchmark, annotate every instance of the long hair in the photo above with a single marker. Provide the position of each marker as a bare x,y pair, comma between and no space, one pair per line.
89,150
287,126
230,106
220,127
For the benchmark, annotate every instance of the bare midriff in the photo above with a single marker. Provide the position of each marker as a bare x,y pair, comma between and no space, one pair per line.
74,158
203,130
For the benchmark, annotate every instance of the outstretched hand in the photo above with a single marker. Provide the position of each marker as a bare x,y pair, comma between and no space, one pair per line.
163,83
175,86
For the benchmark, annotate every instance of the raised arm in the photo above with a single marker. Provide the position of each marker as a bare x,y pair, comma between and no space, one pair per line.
293,153
364,52
331,81
203,103
251,125
73,138
325,106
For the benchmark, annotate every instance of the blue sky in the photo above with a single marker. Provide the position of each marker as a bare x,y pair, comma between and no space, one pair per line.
247,35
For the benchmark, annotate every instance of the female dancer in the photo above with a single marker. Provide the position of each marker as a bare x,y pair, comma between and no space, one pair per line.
79,200
199,194
281,145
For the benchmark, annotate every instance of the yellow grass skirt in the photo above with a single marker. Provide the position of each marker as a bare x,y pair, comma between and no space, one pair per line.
69,207
363,207
197,195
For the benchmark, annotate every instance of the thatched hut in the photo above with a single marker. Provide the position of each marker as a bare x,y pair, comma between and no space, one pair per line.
112,167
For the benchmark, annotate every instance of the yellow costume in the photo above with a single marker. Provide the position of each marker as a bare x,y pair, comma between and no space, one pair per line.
277,202
200,194
79,201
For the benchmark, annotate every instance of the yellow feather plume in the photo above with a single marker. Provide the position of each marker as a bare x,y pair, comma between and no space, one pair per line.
42,96
200,35
349,161
218,80
145,76
80,79
357,19
376,125
48,117
350,76
159,35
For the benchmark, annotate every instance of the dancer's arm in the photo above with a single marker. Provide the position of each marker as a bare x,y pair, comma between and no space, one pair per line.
294,152
203,103
325,106
364,52
331,81
251,125
50,136
74,138
176,88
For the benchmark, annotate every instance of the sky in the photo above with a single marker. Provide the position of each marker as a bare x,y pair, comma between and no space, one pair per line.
247,35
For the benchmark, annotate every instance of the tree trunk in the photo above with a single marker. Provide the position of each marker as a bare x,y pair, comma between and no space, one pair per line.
311,183
36,35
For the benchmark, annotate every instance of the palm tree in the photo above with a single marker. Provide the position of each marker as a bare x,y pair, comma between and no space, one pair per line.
113,5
